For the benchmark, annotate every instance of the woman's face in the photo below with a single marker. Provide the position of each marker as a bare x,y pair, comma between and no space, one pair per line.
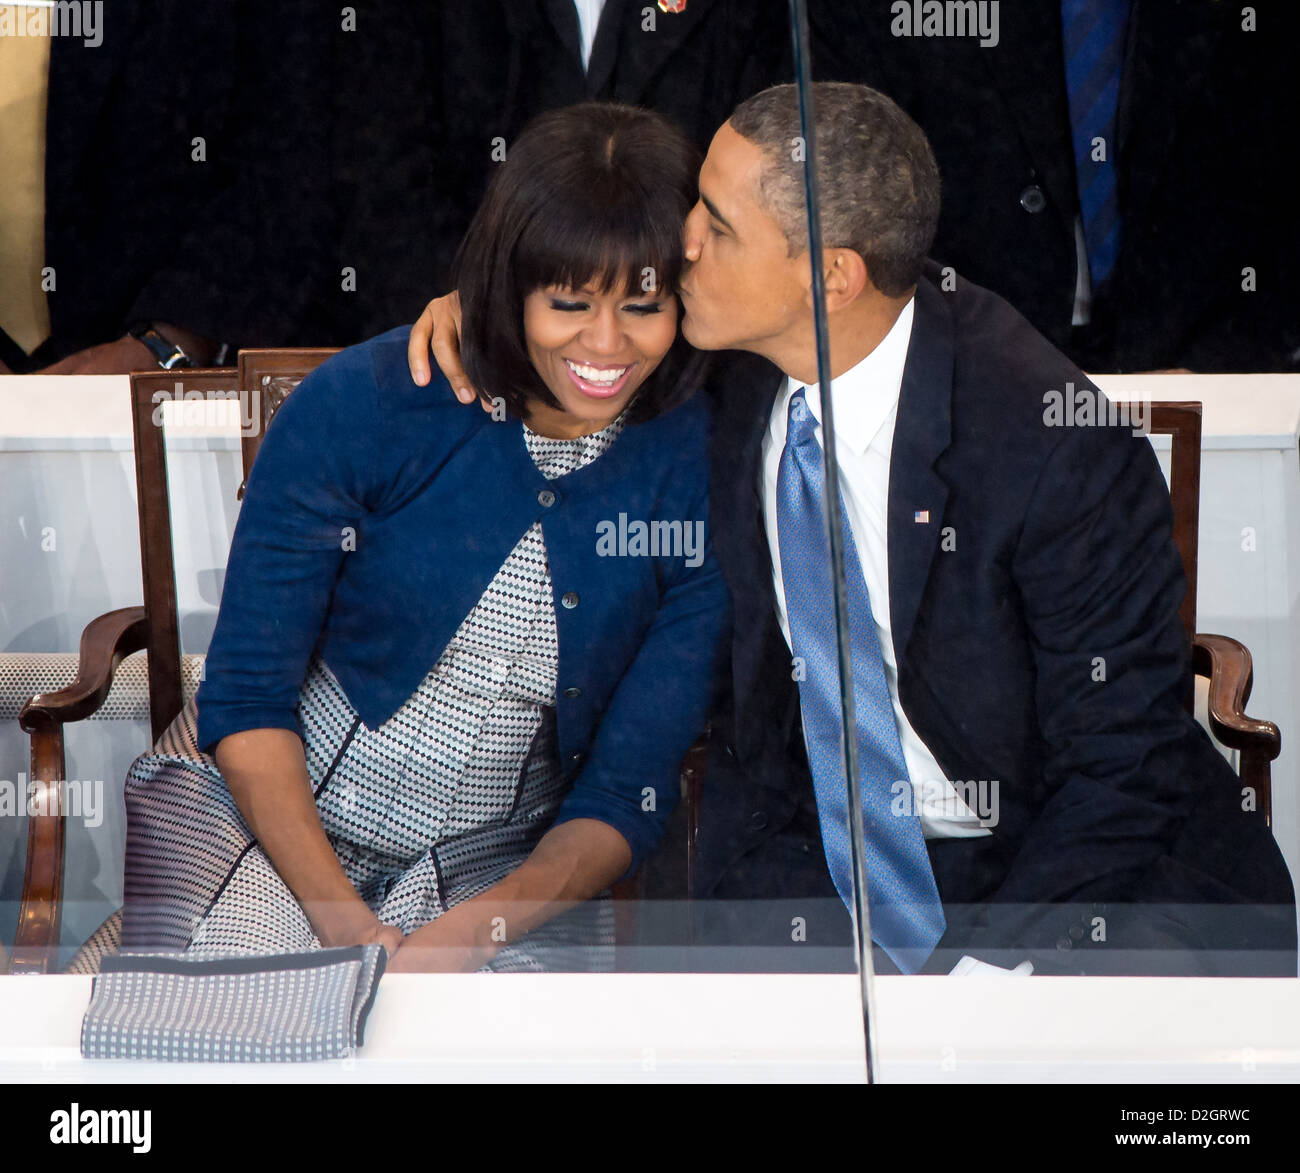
593,351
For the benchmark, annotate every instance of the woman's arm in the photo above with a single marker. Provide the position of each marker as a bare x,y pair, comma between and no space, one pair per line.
266,772
572,863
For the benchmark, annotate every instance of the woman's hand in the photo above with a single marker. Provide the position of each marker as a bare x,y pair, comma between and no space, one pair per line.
438,329
432,949
358,926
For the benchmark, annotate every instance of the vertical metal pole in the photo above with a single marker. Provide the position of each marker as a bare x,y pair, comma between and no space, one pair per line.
808,131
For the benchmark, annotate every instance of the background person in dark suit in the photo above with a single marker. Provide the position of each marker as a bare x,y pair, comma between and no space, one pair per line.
1189,100
344,152
427,97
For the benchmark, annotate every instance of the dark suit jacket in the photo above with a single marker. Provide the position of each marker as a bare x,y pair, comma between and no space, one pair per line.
1200,192
424,93
1063,567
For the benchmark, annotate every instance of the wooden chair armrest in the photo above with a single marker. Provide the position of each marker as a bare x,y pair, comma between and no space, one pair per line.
105,643
1227,664
1229,668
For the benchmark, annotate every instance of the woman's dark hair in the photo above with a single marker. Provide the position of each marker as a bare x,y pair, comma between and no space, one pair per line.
596,192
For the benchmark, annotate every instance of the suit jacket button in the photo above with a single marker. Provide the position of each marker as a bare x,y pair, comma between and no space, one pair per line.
572,692
1064,943
1076,932
569,599
758,820
546,498
1032,199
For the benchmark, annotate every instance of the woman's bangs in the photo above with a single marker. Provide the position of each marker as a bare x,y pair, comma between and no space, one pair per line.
623,249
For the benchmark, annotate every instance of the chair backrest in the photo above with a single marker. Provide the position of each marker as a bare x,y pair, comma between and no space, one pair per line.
1182,422
150,392
263,379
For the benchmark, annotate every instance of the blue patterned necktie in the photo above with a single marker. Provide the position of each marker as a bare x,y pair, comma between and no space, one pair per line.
906,914
1092,36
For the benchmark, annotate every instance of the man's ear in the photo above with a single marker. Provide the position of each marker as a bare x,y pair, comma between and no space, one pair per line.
846,278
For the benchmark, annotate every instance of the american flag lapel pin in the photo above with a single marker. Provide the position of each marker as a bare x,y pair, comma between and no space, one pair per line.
921,517
672,5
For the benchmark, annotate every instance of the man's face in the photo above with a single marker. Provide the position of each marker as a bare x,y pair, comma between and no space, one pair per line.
741,289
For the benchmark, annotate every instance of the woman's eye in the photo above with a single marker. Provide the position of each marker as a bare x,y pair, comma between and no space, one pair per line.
567,306
644,308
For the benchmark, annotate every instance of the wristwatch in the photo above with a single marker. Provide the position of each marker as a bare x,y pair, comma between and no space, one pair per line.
169,355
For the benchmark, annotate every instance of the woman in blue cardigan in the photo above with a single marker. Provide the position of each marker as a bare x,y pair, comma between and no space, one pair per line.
460,655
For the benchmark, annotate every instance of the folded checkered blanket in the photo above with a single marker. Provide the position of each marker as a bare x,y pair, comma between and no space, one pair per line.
286,1008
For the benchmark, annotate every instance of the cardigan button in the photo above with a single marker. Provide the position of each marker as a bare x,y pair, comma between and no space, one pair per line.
546,498
571,693
569,599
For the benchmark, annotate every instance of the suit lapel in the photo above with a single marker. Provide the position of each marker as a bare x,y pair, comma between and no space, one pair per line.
1182,35
564,20
922,430
760,660
604,50
639,52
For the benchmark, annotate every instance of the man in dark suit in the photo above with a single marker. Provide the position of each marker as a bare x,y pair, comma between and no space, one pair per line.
1020,605
1186,100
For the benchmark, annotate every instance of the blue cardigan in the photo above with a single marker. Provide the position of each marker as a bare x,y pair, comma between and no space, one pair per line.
377,513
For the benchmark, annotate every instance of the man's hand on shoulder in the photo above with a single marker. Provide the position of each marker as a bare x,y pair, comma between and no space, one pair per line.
438,330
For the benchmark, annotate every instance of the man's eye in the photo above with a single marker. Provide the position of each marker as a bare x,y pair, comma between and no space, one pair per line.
714,230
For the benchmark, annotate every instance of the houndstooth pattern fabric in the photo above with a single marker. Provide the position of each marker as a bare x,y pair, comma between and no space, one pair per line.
285,1009
439,803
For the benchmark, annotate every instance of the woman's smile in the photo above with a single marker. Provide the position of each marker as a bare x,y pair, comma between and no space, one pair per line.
598,380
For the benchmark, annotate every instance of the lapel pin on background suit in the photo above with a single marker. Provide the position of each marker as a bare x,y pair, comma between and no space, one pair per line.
921,517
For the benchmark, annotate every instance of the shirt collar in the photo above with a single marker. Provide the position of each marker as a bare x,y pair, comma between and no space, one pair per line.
865,394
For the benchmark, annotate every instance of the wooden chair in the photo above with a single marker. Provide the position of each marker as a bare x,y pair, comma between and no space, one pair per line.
262,381
1223,661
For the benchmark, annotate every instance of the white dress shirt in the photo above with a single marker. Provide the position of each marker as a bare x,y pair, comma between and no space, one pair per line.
866,406
588,20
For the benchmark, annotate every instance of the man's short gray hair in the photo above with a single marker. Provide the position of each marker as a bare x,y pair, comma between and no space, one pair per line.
878,177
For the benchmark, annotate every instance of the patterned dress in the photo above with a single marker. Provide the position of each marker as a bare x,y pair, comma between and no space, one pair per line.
437,804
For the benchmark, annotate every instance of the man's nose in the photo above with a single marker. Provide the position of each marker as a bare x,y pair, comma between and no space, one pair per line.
692,236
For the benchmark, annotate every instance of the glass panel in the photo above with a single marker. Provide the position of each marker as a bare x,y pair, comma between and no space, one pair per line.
965,521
